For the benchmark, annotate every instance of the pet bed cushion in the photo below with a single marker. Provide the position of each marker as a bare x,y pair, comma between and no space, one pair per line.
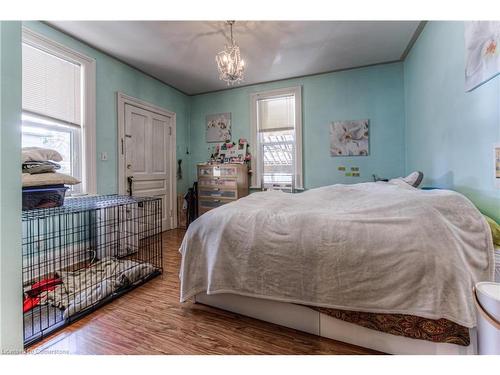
44,179
39,154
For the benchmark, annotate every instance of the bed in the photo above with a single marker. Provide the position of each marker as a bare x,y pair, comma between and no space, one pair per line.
309,260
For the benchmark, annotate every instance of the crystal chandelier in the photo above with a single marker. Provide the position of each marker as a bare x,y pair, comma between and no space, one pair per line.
229,62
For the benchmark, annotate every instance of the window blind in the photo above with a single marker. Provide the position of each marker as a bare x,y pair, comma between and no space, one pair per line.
51,86
276,113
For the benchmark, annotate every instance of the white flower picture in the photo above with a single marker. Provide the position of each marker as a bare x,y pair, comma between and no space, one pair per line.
349,138
482,49
218,127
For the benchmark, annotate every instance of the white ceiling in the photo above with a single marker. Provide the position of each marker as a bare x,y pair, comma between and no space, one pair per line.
182,53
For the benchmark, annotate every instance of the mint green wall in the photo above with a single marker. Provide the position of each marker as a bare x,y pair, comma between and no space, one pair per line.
113,76
450,133
11,339
374,92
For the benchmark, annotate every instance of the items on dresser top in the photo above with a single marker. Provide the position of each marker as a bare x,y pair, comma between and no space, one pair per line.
219,184
230,152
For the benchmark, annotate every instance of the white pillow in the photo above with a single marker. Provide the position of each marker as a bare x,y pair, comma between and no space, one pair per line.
43,179
40,154
414,179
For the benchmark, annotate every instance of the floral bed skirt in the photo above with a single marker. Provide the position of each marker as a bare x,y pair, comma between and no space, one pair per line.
439,330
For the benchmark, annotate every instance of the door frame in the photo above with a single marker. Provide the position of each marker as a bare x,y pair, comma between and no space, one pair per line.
122,100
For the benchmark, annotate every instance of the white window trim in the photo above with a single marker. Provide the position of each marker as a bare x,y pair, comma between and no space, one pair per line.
88,64
254,146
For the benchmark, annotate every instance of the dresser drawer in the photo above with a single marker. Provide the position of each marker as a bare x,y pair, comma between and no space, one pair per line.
225,171
212,202
205,171
217,193
217,183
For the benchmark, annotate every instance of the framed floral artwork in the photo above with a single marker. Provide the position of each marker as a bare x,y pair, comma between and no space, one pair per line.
482,49
349,138
218,128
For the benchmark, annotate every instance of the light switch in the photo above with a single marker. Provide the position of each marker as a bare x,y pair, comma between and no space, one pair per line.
104,156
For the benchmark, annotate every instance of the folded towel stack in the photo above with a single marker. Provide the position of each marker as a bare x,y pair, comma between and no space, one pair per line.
35,167
43,187
40,160
39,166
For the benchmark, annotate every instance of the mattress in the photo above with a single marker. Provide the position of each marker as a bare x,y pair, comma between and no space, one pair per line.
346,247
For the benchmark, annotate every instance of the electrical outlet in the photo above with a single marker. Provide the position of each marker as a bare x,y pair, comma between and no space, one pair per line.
104,156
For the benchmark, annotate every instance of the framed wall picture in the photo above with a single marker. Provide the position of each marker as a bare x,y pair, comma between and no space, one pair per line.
482,52
218,127
349,138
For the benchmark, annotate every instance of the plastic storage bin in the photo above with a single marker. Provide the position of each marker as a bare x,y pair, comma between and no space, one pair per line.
43,197
487,298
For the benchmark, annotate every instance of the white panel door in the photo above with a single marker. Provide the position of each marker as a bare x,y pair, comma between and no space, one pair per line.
147,138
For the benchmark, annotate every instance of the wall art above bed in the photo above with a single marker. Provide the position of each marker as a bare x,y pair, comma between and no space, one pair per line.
482,49
349,138
218,127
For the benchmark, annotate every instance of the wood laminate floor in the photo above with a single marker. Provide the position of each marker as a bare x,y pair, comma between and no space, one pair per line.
151,320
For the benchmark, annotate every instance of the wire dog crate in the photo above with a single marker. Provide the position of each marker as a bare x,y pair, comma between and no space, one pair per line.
84,254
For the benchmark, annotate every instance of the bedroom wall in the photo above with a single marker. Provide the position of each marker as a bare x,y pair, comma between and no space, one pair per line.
112,76
374,92
450,133
11,340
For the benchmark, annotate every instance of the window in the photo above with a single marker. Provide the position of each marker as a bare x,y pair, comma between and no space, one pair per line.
58,101
277,140
40,132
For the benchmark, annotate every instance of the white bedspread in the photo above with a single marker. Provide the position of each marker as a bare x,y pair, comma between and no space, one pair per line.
374,247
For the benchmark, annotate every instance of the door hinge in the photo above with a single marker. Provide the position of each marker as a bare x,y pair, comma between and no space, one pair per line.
169,130
122,147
